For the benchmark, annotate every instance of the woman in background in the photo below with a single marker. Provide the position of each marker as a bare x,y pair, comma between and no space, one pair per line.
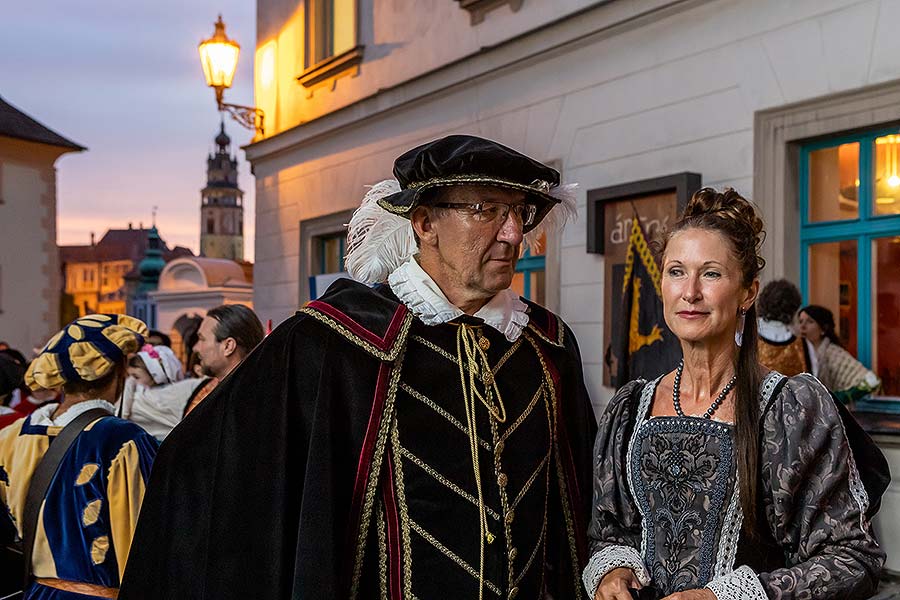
847,378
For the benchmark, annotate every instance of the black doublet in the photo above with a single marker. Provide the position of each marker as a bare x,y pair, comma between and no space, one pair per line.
350,473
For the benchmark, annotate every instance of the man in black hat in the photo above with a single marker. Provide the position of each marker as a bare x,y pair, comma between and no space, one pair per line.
427,437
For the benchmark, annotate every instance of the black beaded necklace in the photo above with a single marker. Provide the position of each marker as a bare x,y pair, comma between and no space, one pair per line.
676,393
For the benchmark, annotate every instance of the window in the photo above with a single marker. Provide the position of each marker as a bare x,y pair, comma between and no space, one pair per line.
530,278
332,46
331,253
323,244
210,225
850,243
332,28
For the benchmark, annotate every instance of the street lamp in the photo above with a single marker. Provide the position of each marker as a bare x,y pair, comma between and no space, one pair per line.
218,57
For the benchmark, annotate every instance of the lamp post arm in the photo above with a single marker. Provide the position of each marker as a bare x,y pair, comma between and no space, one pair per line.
249,116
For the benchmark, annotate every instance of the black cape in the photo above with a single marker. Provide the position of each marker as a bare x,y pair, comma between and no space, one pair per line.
255,493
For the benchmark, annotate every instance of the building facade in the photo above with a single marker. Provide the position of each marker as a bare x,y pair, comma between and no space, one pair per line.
95,276
190,286
29,288
222,205
794,104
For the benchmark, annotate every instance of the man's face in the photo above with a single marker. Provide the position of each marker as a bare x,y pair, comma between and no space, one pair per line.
213,360
476,255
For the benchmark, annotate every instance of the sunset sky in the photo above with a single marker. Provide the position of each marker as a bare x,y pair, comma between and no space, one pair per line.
124,80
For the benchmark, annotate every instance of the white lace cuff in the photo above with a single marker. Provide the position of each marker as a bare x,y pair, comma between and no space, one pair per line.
609,558
740,584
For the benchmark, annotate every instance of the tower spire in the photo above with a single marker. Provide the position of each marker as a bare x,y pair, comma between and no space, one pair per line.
222,210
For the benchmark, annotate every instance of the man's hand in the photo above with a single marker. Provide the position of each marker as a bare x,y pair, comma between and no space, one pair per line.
615,585
698,594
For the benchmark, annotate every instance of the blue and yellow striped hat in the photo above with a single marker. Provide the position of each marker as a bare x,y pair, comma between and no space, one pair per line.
85,350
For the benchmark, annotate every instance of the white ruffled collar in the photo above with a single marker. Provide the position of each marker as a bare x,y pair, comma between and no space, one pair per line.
42,415
774,331
505,312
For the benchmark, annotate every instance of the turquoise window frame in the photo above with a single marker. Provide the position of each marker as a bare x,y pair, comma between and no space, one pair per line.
527,265
863,230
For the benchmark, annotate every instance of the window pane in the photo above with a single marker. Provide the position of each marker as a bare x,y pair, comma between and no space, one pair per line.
887,175
344,26
832,284
332,254
834,183
538,292
518,283
886,312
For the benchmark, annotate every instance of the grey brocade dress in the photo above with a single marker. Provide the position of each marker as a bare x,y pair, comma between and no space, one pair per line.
666,500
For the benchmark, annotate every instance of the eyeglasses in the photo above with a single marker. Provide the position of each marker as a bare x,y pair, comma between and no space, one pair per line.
488,212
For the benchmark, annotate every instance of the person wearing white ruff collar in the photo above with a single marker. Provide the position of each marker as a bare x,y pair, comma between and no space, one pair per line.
423,434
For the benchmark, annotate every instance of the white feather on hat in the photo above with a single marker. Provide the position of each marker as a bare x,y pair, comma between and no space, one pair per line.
377,241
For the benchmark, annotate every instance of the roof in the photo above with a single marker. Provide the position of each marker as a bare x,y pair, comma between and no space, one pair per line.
16,124
118,244
199,272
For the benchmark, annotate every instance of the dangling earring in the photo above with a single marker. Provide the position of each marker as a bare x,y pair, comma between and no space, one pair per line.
739,332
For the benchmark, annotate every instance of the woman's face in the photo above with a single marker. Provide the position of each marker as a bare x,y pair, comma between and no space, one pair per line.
810,329
702,287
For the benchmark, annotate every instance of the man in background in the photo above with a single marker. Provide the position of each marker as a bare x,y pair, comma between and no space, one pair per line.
227,335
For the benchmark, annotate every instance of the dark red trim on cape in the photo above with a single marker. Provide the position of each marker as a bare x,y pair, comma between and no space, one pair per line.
383,343
364,467
393,533
572,488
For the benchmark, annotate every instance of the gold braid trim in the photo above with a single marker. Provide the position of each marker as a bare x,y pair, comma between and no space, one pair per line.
382,551
435,347
560,332
504,504
544,463
375,470
434,406
524,415
512,350
404,511
389,356
563,494
452,556
444,481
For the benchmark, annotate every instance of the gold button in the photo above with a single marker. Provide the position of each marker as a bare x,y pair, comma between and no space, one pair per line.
484,343
498,448
487,378
513,554
513,593
501,479
510,516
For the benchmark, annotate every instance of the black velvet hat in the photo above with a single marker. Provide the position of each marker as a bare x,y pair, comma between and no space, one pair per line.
469,160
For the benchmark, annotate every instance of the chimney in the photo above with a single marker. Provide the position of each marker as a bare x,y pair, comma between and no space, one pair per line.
129,226
92,238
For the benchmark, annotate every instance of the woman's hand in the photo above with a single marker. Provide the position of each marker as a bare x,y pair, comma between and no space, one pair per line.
698,594
615,584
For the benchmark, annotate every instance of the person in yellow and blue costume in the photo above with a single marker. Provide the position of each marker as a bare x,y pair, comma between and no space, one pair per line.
87,520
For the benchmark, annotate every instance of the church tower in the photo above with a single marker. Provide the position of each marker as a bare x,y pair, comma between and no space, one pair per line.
222,210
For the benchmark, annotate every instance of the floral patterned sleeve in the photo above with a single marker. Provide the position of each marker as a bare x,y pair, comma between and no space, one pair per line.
814,500
615,530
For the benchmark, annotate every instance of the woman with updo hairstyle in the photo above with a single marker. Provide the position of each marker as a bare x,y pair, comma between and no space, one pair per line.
722,479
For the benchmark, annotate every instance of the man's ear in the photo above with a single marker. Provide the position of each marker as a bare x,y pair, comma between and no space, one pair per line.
423,226
229,346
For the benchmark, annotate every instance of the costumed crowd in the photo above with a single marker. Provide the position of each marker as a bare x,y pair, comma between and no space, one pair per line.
421,431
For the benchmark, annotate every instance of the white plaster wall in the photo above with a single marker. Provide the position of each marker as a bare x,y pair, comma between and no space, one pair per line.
662,95
29,298
403,39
